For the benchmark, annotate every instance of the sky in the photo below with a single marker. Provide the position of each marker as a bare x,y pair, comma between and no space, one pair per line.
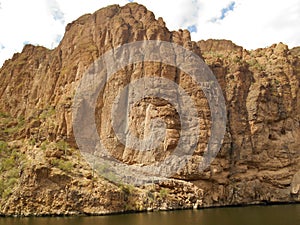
248,23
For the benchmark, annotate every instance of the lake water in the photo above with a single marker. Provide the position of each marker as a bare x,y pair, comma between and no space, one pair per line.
252,215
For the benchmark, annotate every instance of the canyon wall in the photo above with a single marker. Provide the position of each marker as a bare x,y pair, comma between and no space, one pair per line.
43,172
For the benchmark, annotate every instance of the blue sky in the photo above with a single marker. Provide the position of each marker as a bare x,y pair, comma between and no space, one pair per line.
193,28
225,11
250,23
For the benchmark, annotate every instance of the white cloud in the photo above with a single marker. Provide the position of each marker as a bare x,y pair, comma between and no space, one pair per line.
74,9
26,22
176,13
55,11
251,23
256,23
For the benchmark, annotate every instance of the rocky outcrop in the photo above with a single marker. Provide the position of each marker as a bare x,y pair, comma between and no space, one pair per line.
259,160
37,90
262,93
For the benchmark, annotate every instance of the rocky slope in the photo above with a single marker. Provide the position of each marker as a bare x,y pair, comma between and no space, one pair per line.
43,173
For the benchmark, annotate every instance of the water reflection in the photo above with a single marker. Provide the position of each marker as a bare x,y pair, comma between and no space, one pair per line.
254,215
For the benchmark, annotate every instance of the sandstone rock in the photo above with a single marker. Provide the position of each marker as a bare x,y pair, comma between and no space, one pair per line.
261,96
295,185
259,159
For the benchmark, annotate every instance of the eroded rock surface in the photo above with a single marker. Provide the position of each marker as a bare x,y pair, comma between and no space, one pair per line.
259,160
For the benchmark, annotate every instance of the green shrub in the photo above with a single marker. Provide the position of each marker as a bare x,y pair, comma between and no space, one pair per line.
21,121
44,145
237,59
47,112
11,130
13,173
14,129
7,186
105,171
11,181
3,147
11,163
65,166
7,191
163,193
127,188
4,115
62,145
2,188
7,164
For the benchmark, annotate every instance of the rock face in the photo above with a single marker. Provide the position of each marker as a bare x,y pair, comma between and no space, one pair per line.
259,161
260,155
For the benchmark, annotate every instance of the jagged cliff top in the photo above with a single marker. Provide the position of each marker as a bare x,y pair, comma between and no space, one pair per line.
91,35
137,17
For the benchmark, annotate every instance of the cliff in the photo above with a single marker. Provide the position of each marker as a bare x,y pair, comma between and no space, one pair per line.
43,172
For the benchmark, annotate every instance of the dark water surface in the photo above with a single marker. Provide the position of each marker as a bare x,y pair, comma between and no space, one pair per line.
253,215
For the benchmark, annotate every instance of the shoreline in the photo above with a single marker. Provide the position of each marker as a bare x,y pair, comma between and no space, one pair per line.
79,214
